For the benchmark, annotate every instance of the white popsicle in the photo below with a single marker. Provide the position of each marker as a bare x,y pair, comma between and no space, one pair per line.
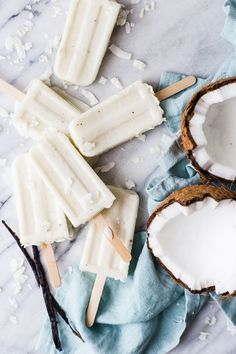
86,36
42,108
99,256
126,115
120,118
40,218
79,192
41,221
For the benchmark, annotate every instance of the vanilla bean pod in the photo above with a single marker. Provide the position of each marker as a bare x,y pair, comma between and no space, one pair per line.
50,302
63,315
48,298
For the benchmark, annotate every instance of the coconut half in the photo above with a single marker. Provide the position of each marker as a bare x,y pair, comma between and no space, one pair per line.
209,130
192,234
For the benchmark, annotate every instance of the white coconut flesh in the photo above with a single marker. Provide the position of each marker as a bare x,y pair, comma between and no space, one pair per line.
213,128
197,243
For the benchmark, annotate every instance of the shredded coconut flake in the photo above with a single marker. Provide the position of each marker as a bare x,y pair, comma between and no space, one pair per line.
203,336
15,44
122,18
129,184
142,137
90,97
43,58
56,11
210,321
127,28
105,168
116,82
153,5
18,270
142,12
140,65
120,53
52,44
92,198
103,80
28,46
27,26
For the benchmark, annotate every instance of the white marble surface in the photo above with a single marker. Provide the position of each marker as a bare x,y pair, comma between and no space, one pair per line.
182,36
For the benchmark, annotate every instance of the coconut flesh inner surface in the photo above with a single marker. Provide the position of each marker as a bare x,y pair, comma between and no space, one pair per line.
213,127
197,244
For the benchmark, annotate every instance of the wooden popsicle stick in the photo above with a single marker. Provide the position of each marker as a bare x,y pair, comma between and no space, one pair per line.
52,265
115,241
95,299
176,88
11,91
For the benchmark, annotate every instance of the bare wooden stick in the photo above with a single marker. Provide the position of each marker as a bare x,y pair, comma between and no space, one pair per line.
52,265
111,236
11,91
176,88
95,299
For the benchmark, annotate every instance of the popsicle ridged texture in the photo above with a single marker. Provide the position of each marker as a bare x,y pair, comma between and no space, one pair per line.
116,120
79,192
85,39
40,218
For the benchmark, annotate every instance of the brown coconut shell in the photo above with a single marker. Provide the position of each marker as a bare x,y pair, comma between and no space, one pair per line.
187,140
185,197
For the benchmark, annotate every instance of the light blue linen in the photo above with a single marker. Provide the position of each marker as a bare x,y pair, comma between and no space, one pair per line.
149,313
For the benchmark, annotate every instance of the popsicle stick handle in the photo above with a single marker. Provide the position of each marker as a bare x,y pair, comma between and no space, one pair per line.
11,91
95,299
54,275
115,241
176,88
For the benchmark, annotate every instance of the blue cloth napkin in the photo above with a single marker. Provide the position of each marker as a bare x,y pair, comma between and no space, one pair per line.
148,313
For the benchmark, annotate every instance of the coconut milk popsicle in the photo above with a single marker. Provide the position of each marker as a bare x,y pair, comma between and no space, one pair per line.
78,190
99,255
41,221
134,110
86,36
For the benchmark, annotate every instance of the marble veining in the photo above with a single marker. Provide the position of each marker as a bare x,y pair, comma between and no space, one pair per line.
179,36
